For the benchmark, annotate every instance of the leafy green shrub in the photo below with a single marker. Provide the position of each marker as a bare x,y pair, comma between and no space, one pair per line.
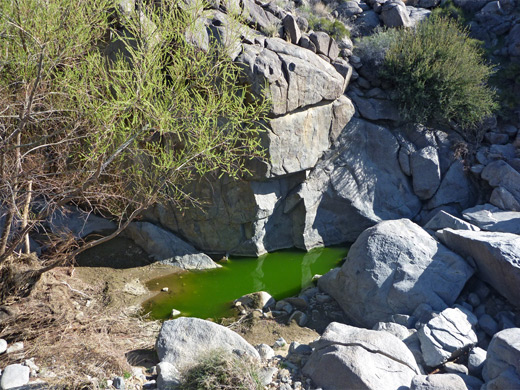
438,74
448,9
336,29
113,109
221,371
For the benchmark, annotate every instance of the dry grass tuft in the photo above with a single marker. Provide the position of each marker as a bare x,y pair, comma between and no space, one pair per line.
69,330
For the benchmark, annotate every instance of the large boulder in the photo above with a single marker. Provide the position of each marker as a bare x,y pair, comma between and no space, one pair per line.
237,217
395,14
183,341
360,359
167,248
447,336
296,77
438,382
78,223
355,185
502,366
294,142
426,173
503,199
496,255
443,220
392,268
501,174
456,189
493,219
375,109
14,376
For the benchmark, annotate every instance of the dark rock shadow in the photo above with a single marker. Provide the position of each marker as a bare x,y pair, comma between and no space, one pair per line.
119,253
142,357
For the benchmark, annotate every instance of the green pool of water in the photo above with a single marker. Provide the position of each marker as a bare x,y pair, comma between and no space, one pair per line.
209,294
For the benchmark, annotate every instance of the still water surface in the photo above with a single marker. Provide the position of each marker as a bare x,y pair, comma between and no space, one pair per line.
209,294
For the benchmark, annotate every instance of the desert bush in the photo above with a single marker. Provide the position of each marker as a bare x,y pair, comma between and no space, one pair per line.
218,371
112,109
335,29
448,9
438,74
372,48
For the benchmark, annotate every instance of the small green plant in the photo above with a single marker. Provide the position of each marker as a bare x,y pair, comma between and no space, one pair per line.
448,9
336,29
439,75
218,371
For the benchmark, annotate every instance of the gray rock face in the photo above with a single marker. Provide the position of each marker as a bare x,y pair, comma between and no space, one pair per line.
447,336
183,340
455,189
497,256
426,172
257,300
296,77
376,109
239,217
349,8
168,377
513,40
443,220
352,188
502,366
501,174
295,141
503,199
438,382
322,42
363,359
493,219
392,268
14,375
257,16
292,31
476,360
395,14
365,23
167,248
73,221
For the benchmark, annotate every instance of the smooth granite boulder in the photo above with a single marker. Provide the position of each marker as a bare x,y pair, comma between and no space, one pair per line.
496,255
447,336
426,172
184,340
167,248
493,219
296,77
456,189
14,376
360,359
356,185
438,382
502,366
392,268
501,174
443,220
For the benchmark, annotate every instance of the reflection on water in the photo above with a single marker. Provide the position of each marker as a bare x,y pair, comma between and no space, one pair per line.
208,294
